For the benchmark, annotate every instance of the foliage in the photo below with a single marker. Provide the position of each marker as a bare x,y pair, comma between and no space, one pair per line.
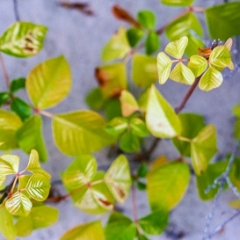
127,121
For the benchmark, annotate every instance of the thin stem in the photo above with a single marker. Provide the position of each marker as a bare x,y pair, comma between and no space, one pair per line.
14,184
6,77
220,227
188,95
47,114
183,139
15,5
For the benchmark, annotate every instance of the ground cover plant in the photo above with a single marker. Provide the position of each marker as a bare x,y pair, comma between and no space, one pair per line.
119,120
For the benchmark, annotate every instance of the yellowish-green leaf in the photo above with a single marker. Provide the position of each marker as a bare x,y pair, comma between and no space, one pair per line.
9,164
34,165
39,217
9,123
112,79
161,119
96,198
184,3
117,126
2,180
23,39
144,70
7,228
182,74
220,57
197,64
167,184
203,148
49,82
129,104
118,178
164,64
117,47
80,132
87,231
38,187
211,79
80,172
18,204
235,204
30,136
176,48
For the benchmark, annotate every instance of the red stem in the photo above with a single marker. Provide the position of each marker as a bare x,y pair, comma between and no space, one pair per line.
6,77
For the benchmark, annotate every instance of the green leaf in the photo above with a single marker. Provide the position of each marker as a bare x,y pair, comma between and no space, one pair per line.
112,79
129,143
144,70
236,130
184,26
142,170
49,82
118,178
113,108
141,186
197,64
80,132
203,148
10,122
38,187
4,97
134,35
167,184
193,44
191,126
138,127
224,16
211,79
7,228
236,110
146,19
183,3
87,231
164,64
154,223
182,74
161,119
17,84
94,198
117,126
207,178
39,217
142,237
29,136
152,43
9,164
220,57
18,204
23,39
117,47
94,99
120,227
34,165
79,172
129,104
176,48
21,108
